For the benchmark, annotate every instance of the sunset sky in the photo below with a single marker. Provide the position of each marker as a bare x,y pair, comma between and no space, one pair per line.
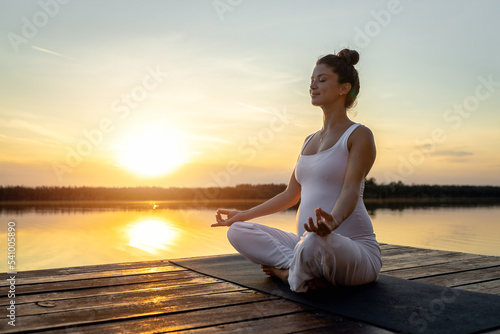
204,93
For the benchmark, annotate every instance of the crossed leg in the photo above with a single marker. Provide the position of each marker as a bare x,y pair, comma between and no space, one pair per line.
313,263
262,244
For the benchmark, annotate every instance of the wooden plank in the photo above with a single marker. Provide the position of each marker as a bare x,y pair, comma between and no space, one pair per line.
316,322
21,279
159,295
146,295
419,253
491,287
139,307
463,278
93,268
403,251
192,319
108,290
384,247
102,282
429,258
410,257
446,267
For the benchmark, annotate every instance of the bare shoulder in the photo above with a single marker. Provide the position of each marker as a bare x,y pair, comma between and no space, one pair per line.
362,131
361,136
307,139
309,136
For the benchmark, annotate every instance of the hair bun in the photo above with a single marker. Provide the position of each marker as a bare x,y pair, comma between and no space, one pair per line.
351,57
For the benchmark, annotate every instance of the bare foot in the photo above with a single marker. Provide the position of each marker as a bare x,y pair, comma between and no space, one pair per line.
317,283
272,271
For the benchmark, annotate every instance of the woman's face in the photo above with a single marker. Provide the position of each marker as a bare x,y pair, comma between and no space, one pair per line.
324,88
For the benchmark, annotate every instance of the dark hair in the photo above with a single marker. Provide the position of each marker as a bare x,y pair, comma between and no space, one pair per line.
342,64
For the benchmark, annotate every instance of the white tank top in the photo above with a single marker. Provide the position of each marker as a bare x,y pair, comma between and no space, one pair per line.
321,177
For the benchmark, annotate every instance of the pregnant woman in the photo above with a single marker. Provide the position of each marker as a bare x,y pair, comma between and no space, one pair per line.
335,243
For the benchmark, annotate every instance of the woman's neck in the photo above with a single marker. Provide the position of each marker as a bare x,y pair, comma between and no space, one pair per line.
334,117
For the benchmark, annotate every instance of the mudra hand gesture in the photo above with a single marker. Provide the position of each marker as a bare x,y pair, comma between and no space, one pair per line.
232,216
325,223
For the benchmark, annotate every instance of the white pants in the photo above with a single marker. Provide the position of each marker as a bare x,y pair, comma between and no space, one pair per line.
334,257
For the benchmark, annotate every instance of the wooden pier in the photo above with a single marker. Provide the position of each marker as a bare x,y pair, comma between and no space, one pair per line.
158,296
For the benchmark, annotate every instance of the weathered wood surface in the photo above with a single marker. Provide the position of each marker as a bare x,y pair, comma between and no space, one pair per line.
479,273
157,296
182,300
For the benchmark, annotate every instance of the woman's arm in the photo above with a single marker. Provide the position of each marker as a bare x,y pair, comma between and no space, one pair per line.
289,197
362,154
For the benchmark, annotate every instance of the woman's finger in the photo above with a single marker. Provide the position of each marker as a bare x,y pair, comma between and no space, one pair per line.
223,211
220,222
326,228
312,227
220,219
325,214
320,230
311,223
317,211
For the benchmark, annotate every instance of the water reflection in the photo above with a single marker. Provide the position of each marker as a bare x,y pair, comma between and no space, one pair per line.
151,235
53,237
82,207
74,207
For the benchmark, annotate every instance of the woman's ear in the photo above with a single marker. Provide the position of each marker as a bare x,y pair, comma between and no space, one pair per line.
345,88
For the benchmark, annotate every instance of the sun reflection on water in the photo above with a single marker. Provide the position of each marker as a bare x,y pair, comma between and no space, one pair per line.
151,235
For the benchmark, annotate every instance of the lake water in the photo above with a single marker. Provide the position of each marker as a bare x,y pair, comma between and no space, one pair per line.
63,234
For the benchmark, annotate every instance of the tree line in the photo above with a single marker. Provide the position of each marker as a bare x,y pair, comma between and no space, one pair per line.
425,191
393,190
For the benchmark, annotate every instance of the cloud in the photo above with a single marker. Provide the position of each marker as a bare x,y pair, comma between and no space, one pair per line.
451,153
18,125
453,156
52,52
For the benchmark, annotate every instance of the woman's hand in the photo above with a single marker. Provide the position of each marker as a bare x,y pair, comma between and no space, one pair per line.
325,223
232,216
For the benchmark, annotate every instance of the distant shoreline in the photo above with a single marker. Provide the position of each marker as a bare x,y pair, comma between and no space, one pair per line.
75,206
373,193
257,200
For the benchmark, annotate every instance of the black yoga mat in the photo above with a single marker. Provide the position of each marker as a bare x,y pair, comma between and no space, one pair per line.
391,303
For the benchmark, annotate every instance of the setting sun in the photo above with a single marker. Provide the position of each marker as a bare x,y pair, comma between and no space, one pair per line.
153,151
